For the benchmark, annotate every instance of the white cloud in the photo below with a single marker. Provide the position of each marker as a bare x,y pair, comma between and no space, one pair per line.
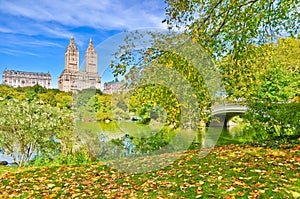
103,14
16,52
36,43
6,30
34,29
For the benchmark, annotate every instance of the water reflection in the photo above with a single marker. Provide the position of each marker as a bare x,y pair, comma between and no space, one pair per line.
4,157
112,143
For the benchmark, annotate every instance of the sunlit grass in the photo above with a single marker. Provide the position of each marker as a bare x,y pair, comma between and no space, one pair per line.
231,171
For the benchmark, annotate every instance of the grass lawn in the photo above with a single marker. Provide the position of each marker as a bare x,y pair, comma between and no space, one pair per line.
231,171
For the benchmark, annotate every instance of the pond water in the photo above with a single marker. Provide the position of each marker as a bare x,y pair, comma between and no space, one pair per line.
113,130
4,157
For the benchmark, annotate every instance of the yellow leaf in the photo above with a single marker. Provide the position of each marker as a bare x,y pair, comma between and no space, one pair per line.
51,185
238,169
295,194
76,195
56,189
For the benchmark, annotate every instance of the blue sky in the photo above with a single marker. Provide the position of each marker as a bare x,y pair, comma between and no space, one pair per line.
35,34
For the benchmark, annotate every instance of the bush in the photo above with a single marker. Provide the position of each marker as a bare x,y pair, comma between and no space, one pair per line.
79,157
273,120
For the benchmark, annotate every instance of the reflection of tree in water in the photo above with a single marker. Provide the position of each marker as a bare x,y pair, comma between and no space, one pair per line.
127,145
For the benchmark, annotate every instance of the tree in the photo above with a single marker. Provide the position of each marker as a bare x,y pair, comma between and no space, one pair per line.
272,111
7,92
172,71
103,107
229,27
62,99
271,73
32,127
273,121
231,31
239,35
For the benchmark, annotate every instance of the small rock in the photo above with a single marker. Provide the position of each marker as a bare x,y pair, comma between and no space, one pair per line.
3,163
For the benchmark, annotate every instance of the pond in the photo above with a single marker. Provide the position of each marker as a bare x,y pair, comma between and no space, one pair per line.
143,136
4,157
134,129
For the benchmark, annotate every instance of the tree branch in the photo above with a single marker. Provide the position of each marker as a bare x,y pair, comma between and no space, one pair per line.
211,10
223,23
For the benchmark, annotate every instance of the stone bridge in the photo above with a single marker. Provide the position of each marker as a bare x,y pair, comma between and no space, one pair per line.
227,111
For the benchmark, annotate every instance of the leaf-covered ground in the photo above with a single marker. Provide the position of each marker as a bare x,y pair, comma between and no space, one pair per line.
232,171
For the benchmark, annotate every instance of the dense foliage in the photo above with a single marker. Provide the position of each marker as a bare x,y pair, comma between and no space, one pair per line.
174,80
271,72
264,75
269,82
38,124
229,27
239,36
30,128
53,97
171,71
273,121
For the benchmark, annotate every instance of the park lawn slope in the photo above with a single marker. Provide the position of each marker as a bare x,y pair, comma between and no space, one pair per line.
232,171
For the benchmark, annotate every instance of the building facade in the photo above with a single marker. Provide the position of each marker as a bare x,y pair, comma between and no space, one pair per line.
72,79
112,87
16,78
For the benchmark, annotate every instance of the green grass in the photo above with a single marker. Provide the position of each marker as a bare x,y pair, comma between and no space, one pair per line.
8,169
228,171
231,171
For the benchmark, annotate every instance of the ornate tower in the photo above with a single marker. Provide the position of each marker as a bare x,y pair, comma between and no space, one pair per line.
74,80
72,57
91,59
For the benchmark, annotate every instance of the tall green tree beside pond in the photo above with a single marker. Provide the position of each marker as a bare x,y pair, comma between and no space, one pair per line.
103,107
271,73
34,127
231,31
273,81
172,71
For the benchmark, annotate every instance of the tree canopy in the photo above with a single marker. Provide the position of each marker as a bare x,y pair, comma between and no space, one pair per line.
272,73
241,37
32,127
228,27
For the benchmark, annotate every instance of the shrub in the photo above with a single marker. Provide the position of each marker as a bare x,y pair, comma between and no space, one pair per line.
273,120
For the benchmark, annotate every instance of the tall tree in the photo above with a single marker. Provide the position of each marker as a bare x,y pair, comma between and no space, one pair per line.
29,127
172,71
271,73
232,30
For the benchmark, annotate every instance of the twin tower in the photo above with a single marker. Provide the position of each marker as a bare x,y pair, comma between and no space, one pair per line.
74,80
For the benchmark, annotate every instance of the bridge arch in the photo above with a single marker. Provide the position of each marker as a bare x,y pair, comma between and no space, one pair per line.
227,111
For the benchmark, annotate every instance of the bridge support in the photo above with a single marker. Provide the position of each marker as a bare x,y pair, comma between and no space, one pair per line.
226,111
218,121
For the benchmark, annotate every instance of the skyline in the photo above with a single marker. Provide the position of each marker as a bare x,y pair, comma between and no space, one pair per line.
35,35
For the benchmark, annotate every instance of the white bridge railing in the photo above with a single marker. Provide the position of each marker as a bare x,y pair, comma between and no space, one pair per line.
228,108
